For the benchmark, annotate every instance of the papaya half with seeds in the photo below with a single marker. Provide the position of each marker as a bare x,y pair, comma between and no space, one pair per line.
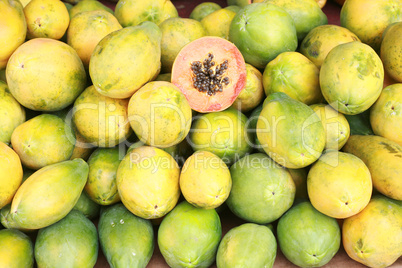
211,73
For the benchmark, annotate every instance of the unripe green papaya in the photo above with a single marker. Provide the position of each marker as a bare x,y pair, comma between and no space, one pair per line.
126,240
71,242
49,194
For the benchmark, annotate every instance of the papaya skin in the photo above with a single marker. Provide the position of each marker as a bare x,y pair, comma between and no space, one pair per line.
14,29
10,174
374,236
386,114
384,160
16,249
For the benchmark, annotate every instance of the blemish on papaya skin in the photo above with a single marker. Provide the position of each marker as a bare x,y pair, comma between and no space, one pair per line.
390,149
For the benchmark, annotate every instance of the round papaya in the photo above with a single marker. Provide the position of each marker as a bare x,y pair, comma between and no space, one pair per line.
43,140
159,114
88,5
295,75
203,9
133,12
46,19
205,180
218,22
374,236
339,184
320,40
134,52
262,31
351,77
148,182
12,114
211,73
176,33
261,189
307,237
86,29
369,18
16,249
247,245
189,236
44,81
14,29
386,114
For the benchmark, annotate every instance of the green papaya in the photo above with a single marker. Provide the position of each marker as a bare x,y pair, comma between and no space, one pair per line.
16,249
71,242
88,207
49,194
290,132
247,245
126,240
189,236
307,237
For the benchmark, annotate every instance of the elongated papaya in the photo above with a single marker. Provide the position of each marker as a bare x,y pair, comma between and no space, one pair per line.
48,195
384,160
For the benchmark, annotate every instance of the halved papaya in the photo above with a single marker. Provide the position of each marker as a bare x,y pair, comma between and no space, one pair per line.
211,73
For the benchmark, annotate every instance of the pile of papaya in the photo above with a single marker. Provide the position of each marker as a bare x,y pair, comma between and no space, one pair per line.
128,131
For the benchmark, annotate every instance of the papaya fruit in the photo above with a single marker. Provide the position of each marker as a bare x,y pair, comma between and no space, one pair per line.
125,50
10,174
222,133
320,40
386,114
43,140
253,93
213,61
159,114
101,120
290,132
44,81
307,15
70,242
12,114
101,186
125,239
261,189
384,160
369,18
247,245
86,29
356,64
148,182
89,208
16,249
374,236
336,126
307,237
295,75
14,28
205,180
339,184
390,50
239,3
49,194
189,236
176,33
46,19
134,12
261,31
218,23
203,9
